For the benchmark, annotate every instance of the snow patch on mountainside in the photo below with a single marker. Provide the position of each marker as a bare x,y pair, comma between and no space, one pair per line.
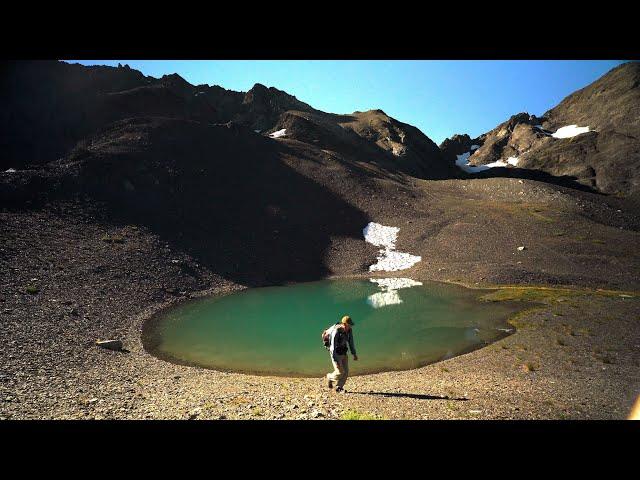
279,133
389,259
462,162
570,131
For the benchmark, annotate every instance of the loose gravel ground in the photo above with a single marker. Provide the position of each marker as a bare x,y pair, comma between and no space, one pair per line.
68,279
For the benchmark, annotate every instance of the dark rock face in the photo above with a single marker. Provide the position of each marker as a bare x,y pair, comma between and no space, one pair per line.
456,145
51,106
606,159
261,107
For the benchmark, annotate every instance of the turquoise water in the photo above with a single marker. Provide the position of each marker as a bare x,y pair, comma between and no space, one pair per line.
276,330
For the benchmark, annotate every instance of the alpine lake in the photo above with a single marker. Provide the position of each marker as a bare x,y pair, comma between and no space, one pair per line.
399,325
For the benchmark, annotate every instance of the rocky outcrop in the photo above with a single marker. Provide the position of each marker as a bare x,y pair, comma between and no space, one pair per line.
456,145
509,139
410,150
371,137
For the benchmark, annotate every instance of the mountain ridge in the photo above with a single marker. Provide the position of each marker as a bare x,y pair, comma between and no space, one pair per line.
53,105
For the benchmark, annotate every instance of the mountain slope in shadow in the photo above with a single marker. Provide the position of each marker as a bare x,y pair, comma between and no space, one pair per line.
50,106
187,182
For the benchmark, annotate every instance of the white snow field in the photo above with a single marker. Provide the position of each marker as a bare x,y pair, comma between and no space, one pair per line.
570,131
279,133
463,163
380,236
389,294
389,259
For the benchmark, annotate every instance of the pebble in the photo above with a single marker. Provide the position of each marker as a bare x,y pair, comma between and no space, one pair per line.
110,344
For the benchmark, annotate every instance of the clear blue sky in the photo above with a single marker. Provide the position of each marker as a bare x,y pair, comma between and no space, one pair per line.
441,98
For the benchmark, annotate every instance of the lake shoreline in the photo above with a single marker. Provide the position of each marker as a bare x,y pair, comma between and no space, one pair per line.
582,353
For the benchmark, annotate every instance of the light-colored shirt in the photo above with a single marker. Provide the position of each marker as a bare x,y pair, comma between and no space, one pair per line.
332,343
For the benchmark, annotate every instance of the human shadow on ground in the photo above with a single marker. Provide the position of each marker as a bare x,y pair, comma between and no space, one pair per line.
417,396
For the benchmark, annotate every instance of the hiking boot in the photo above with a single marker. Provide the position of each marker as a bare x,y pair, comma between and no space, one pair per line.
329,383
339,389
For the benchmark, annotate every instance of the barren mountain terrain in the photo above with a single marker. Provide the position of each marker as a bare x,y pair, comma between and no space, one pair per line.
122,194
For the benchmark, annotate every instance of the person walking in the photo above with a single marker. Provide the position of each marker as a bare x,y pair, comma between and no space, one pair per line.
340,340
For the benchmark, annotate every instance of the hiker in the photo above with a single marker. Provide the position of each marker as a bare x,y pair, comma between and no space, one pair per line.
338,338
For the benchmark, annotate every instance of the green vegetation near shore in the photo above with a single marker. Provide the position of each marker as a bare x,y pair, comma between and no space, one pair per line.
548,294
355,415
544,296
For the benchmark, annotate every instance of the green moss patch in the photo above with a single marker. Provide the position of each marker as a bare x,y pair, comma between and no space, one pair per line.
547,294
355,415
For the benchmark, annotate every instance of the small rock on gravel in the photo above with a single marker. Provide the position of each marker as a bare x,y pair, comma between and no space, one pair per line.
110,344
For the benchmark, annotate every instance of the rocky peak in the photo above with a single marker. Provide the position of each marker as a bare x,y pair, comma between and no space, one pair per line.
261,97
257,93
176,83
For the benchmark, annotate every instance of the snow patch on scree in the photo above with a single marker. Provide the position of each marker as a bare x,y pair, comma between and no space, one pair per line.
389,259
279,133
389,294
570,131
463,163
